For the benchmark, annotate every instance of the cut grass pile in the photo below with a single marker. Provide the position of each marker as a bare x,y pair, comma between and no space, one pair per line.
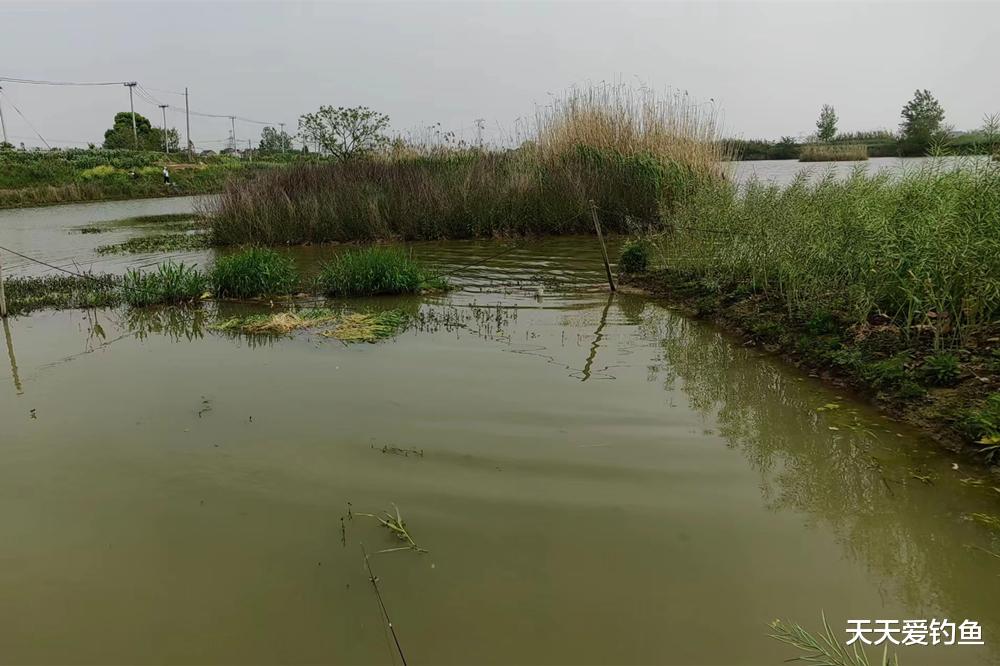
351,327
374,271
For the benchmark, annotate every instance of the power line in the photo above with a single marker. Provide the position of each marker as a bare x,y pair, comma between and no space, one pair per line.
37,82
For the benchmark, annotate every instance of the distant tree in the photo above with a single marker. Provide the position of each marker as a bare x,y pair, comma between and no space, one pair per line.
345,133
826,126
923,122
150,138
274,141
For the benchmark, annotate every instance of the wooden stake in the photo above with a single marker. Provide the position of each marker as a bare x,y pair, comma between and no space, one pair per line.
3,296
604,249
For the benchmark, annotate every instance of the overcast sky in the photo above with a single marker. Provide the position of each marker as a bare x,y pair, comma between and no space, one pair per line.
768,65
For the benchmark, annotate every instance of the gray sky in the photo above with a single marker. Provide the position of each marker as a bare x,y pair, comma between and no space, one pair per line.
770,66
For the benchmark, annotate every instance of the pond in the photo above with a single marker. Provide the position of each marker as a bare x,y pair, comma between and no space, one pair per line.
596,479
782,172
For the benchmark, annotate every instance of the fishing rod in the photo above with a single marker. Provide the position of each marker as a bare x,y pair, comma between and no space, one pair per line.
385,613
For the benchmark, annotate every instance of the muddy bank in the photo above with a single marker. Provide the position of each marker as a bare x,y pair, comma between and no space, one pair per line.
950,394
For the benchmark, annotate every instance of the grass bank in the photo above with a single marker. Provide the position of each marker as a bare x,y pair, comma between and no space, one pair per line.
626,151
38,178
892,285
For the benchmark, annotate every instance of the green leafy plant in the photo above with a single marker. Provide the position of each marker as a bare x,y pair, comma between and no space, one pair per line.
169,283
941,369
254,272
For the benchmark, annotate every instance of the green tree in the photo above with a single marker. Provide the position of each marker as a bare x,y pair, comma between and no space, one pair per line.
345,133
923,122
150,138
826,126
274,141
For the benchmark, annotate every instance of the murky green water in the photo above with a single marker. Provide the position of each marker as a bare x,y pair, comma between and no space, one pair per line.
601,481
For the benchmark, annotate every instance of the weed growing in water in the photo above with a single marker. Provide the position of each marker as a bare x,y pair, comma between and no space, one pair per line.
25,294
634,257
170,283
395,524
374,271
254,272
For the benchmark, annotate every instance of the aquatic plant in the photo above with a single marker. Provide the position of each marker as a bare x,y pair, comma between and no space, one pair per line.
169,283
157,243
826,649
25,294
394,523
833,152
372,271
254,272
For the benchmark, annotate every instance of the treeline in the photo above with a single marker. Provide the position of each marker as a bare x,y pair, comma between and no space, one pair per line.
879,144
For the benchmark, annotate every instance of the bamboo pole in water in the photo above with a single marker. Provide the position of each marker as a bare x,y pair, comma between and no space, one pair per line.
3,296
604,249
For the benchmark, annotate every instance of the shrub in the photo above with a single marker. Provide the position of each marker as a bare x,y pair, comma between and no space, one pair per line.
372,271
170,283
254,272
634,257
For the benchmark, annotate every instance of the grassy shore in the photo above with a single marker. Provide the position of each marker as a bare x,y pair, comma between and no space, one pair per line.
833,153
893,285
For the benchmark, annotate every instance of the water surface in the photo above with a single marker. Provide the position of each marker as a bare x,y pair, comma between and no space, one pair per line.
597,480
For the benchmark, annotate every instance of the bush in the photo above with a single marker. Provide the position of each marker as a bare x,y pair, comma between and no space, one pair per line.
372,271
171,283
254,272
634,257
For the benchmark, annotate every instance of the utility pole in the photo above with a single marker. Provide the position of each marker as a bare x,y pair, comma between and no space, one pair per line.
166,144
233,120
187,118
250,149
2,126
280,136
131,107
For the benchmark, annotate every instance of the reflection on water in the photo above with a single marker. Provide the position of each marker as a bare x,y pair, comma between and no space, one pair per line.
183,486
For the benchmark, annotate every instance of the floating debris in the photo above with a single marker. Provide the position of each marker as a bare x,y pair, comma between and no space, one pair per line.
369,327
395,524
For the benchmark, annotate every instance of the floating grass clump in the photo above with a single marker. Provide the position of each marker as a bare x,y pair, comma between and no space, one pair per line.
169,283
280,323
157,243
631,152
370,327
351,327
374,271
834,153
254,272
25,294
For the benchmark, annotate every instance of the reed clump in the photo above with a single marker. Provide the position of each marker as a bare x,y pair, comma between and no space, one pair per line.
856,152
920,251
254,272
633,153
374,271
